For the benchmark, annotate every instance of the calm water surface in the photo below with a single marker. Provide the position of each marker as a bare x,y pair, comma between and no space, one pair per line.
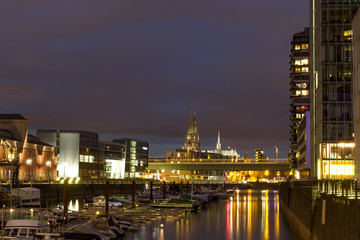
249,214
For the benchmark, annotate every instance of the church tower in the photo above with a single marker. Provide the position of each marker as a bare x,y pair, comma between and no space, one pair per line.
192,139
218,144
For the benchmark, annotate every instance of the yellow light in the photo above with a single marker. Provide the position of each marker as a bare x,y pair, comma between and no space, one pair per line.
58,178
266,172
62,181
48,163
70,180
97,212
77,180
28,162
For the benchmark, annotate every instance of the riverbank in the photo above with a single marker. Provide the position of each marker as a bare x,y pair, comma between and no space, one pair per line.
314,214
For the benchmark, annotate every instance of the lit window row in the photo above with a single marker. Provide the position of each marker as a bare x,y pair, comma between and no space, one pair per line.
86,158
302,69
301,46
302,92
301,62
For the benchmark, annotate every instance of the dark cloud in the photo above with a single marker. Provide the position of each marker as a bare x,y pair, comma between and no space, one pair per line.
136,68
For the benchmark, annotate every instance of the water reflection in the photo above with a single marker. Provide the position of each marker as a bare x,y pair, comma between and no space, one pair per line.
248,214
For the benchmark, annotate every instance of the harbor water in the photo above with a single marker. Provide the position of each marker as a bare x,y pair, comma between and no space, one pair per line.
248,214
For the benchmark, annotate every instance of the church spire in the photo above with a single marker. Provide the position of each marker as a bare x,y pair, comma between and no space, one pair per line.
191,125
194,123
218,145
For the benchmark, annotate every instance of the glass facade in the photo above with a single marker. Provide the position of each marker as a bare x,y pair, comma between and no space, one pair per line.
332,95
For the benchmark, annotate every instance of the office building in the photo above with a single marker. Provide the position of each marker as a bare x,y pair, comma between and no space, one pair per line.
136,156
259,155
332,141
299,88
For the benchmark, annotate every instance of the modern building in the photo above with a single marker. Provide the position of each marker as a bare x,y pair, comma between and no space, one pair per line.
331,103
303,141
136,156
356,91
78,152
82,154
192,138
259,155
299,88
23,156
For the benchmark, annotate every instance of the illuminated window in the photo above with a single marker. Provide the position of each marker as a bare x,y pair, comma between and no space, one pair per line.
299,115
298,93
304,69
348,34
297,46
305,46
305,61
304,92
297,62
301,85
297,70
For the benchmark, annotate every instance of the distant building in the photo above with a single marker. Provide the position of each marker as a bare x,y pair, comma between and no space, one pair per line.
24,156
246,158
259,155
192,138
299,87
137,156
303,142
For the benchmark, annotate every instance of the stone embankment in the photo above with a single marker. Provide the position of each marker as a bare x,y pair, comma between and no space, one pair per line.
315,213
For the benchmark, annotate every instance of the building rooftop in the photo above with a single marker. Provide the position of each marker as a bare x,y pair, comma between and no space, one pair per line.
12,117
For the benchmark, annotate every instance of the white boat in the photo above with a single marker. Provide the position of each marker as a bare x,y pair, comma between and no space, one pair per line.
24,228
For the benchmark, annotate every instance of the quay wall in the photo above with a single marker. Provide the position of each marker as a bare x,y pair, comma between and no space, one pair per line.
314,215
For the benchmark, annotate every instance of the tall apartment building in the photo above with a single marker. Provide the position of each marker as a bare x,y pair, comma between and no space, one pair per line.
299,88
332,141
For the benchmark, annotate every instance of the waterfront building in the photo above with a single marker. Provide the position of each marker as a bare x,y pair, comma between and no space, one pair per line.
192,138
23,156
332,141
136,156
82,154
303,152
299,88
259,155
78,152
356,91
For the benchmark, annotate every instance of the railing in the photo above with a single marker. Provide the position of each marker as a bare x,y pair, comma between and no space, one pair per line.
344,187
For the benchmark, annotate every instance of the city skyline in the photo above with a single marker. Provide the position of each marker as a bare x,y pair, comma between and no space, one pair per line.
137,69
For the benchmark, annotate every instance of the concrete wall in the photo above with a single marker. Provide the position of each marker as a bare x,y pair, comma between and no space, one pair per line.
303,208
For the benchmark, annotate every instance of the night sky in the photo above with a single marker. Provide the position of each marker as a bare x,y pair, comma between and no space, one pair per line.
136,68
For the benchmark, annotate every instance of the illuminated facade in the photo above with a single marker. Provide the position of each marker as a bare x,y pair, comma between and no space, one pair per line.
192,138
24,156
299,87
332,141
137,156
259,155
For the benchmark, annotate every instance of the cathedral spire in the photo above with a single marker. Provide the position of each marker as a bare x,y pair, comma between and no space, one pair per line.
191,125
218,145
194,123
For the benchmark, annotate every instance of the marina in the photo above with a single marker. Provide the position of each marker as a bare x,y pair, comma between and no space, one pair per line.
244,214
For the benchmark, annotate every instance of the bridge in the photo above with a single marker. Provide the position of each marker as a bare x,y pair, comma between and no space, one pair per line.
218,165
